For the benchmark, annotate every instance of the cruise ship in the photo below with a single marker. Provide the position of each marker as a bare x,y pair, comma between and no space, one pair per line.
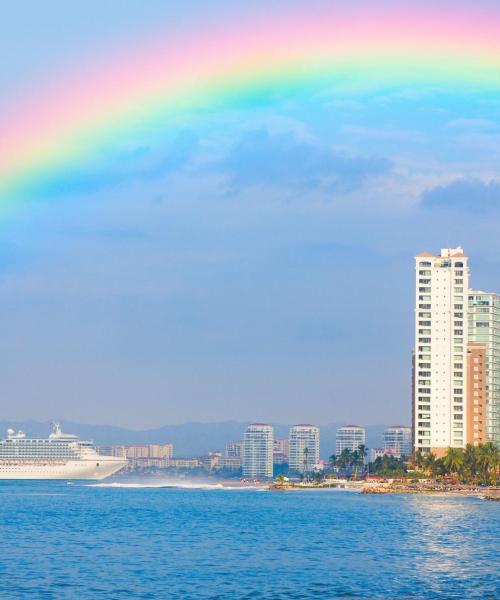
60,456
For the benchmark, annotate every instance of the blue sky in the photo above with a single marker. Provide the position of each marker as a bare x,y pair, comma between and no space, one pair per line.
250,264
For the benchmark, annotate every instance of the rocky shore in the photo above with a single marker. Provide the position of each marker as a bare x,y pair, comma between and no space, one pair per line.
395,487
490,493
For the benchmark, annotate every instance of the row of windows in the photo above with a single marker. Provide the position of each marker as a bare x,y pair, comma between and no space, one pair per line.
445,263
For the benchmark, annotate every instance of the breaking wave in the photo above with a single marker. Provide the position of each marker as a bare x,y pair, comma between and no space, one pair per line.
172,484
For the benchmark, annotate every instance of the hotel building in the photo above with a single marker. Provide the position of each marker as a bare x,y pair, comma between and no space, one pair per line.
398,440
258,451
303,448
484,328
234,449
440,355
350,437
282,446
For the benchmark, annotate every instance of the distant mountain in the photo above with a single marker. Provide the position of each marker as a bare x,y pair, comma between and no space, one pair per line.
189,439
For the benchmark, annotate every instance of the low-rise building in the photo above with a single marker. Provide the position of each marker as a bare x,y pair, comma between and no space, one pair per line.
234,449
182,463
380,452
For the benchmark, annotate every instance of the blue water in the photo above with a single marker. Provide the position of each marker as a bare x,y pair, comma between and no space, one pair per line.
60,541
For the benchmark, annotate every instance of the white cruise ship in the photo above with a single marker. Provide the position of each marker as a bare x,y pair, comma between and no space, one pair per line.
60,456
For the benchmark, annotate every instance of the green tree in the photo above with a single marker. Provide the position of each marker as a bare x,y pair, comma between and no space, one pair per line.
432,464
470,467
363,453
417,460
345,459
487,457
454,460
306,463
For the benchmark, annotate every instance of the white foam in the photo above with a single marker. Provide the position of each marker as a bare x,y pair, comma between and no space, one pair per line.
173,484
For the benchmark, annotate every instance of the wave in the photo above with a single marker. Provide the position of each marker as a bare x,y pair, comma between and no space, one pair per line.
176,485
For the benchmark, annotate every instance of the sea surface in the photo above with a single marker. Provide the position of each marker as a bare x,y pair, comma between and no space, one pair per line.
135,541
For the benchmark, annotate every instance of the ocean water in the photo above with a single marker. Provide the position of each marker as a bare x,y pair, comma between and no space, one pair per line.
113,541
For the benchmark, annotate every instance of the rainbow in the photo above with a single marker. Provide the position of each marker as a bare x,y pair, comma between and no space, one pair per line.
233,60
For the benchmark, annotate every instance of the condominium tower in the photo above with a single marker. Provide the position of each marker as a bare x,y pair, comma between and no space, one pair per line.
397,440
350,437
303,448
258,451
484,328
440,356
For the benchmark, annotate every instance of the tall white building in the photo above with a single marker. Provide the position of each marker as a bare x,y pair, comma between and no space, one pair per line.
258,451
350,437
303,448
484,328
398,440
440,355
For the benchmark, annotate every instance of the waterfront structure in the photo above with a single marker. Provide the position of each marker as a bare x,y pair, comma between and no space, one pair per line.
303,448
183,463
141,456
258,451
161,450
60,456
476,393
281,446
440,354
484,328
380,453
149,451
398,440
234,449
349,437
280,451
232,463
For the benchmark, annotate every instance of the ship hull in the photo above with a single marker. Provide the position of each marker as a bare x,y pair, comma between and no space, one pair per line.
95,469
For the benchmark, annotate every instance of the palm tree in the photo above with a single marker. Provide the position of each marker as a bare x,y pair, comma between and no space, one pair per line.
454,460
306,463
470,466
487,459
363,453
418,459
333,461
429,462
345,459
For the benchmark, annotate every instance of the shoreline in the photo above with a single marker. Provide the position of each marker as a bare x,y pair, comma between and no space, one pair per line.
371,488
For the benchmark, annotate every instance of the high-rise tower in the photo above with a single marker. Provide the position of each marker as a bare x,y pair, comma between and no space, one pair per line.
258,451
484,328
303,448
441,336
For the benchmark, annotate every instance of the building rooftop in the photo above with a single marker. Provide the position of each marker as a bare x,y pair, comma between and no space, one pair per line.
445,253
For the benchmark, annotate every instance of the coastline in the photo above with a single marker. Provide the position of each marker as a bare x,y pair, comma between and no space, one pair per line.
382,488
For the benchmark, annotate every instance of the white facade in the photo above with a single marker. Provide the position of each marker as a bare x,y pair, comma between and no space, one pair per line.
397,441
258,451
484,328
302,437
440,373
350,437
282,446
